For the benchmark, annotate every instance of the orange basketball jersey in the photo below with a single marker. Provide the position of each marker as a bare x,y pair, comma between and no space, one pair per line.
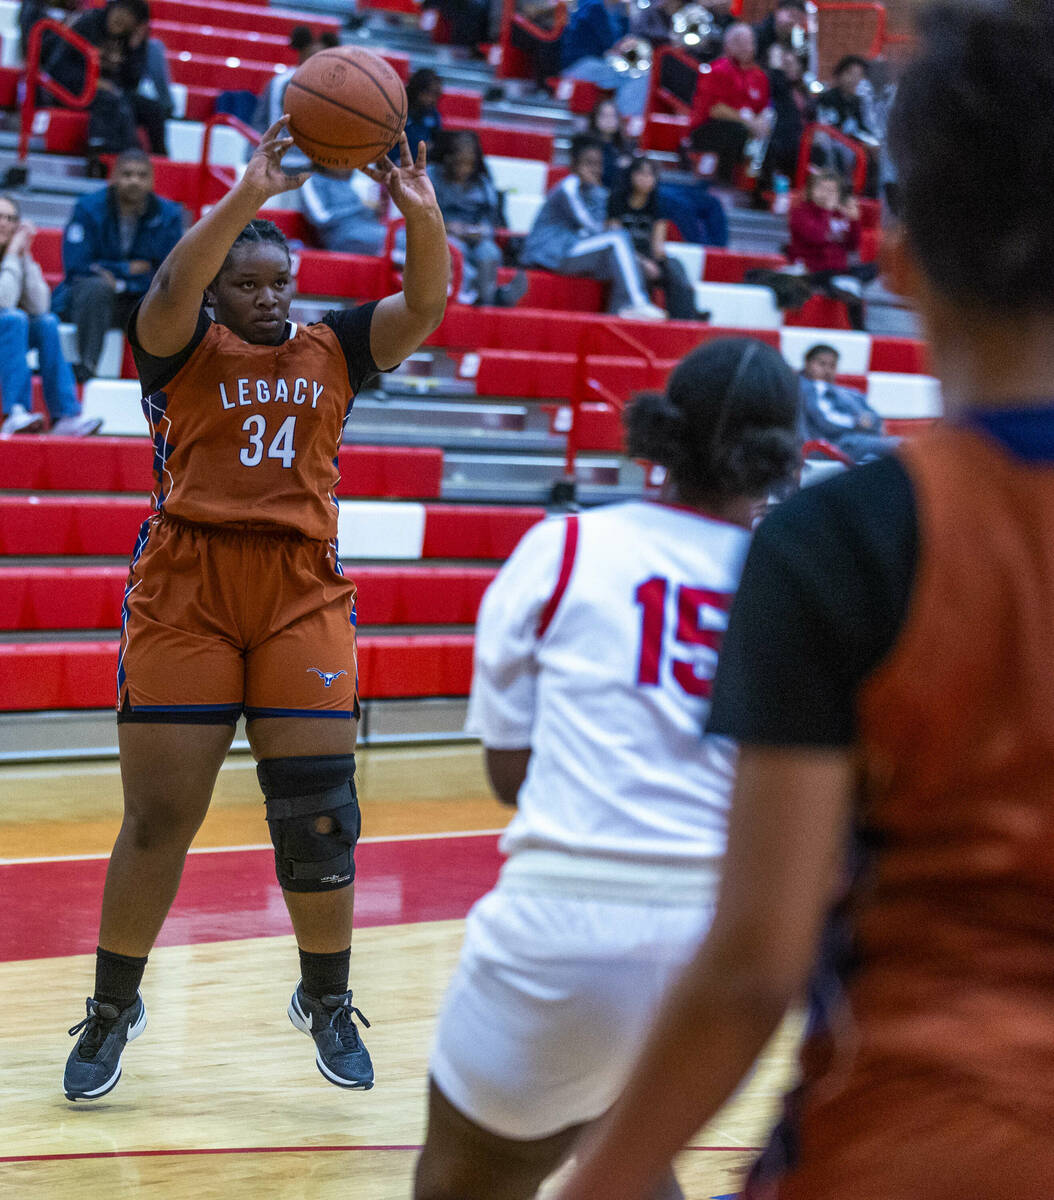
939,1071
247,434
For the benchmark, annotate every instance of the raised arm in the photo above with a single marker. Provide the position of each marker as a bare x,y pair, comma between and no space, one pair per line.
402,322
169,312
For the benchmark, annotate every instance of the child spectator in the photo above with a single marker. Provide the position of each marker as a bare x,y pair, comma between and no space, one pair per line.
824,229
842,107
605,127
26,324
338,215
119,109
423,121
115,241
731,105
471,207
839,414
634,207
570,236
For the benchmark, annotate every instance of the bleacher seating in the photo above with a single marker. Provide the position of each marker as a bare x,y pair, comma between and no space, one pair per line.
418,561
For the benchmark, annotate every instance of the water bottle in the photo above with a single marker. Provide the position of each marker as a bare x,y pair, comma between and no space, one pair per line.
781,195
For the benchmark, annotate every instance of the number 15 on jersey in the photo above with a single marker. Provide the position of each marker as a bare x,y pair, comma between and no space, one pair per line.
702,616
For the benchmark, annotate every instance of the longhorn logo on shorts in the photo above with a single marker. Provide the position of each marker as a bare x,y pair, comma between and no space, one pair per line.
327,677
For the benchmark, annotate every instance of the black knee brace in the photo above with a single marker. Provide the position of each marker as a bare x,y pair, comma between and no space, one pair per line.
313,815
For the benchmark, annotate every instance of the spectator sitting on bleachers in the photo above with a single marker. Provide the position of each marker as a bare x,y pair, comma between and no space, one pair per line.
655,23
825,229
114,242
605,127
471,207
731,106
782,29
338,215
839,414
32,11
793,107
634,207
119,109
699,215
596,29
467,21
26,324
569,236
842,107
423,122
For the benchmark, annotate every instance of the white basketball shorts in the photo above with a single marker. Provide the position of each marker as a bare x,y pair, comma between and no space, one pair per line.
551,1000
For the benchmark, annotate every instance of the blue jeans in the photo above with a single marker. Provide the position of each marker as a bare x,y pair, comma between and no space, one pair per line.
697,214
19,333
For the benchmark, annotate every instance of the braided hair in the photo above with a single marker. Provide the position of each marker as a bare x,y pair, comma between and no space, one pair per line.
256,232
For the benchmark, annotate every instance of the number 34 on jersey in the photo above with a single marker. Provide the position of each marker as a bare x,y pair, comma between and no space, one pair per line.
281,446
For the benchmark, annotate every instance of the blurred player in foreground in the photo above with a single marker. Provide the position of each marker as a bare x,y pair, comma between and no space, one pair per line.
595,652
889,671
236,601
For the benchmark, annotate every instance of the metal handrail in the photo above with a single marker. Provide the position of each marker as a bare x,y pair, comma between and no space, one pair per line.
801,172
205,168
36,78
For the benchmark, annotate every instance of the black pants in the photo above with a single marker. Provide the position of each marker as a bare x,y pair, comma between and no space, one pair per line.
115,118
824,281
680,295
726,139
94,307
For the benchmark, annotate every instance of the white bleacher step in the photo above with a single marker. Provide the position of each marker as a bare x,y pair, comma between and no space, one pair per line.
118,403
691,256
738,305
111,358
854,349
519,176
227,147
520,211
904,397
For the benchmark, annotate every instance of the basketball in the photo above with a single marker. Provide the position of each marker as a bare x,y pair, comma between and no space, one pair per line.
346,107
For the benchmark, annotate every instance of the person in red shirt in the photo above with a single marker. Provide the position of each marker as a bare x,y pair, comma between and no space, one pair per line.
824,230
731,105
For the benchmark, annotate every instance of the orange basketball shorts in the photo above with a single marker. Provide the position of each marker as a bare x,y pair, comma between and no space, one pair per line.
219,622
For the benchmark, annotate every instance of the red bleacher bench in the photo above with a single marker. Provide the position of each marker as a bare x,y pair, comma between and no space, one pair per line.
80,675
261,19
9,77
665,131
58,598
507,140
475,531
329,273
262,47
121,464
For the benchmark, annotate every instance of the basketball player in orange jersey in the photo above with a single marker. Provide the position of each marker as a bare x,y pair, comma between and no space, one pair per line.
889,671
236,601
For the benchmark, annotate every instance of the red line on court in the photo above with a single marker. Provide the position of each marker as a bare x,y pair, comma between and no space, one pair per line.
17,1158
51,909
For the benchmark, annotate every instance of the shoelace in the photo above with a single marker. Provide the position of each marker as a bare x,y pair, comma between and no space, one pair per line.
96,1030
341,1019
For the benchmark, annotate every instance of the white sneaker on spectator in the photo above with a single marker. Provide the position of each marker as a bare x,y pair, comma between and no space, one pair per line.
642,312
21,421
76,426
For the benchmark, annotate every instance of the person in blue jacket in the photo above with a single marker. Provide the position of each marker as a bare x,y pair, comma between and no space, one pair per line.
114,242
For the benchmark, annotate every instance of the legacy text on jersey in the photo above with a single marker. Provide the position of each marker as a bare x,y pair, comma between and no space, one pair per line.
248,391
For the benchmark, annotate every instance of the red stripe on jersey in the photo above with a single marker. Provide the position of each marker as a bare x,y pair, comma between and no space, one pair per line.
567,563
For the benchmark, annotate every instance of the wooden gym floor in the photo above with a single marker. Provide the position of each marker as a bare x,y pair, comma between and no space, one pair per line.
220,1097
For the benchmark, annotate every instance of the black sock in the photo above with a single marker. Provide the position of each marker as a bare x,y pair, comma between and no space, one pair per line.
117,977
325,974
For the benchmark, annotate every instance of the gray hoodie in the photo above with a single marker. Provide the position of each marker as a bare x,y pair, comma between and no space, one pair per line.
570,213
22,285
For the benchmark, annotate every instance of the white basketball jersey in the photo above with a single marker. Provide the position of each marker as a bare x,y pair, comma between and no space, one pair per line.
596,647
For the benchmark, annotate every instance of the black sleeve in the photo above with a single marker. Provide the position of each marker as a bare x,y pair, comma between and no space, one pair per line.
616,206
824,594
154,373
352,328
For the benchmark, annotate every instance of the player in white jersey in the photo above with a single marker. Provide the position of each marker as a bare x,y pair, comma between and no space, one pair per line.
595,652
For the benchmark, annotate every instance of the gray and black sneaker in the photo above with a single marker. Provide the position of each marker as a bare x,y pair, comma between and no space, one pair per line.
339,1052
94,1065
